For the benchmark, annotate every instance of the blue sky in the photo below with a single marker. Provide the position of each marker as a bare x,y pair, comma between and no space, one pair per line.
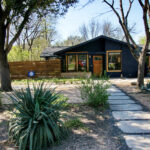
75,17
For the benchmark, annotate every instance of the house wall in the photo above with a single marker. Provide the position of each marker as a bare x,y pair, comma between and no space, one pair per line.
129,64
96,47
100,47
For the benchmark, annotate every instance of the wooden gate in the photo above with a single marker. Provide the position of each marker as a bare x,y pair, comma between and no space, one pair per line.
20,70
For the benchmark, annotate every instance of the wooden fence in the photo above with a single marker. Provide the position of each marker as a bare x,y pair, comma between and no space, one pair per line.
42,69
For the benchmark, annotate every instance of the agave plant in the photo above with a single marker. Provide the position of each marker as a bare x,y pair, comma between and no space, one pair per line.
36,123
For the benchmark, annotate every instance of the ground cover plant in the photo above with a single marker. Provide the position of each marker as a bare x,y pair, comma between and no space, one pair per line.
50,80
36,121
0,98
94,92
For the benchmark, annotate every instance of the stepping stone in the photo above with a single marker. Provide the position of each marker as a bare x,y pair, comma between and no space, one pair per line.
117,94
121,101
126,107
119,97
113,90
130,115
138,142
134,126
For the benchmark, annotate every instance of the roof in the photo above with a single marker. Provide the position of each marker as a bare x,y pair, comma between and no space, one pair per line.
92,40
50,51
54,51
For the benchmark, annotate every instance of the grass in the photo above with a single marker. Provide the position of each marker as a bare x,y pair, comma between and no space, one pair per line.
50,80
75,123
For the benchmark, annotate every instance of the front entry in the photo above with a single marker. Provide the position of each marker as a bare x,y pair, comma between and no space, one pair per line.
97,65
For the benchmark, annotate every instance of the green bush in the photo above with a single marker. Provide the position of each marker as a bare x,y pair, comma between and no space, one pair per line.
37,121
94,92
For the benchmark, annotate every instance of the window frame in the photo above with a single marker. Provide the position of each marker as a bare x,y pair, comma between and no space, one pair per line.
77,54
107,54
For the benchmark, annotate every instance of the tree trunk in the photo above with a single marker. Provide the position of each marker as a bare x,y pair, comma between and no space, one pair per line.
5,73
141,66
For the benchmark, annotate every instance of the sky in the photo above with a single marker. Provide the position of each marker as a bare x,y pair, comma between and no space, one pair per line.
69,24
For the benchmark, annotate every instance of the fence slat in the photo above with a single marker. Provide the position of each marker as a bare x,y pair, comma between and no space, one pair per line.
51,68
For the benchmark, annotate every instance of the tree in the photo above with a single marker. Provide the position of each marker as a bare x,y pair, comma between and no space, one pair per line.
70,41
114,32
91,30
22,10
94,29
123,20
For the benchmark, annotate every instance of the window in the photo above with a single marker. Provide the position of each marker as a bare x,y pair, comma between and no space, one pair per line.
114,61
82,62
71,62
78,61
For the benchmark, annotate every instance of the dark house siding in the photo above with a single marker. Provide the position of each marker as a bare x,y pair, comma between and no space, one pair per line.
129,64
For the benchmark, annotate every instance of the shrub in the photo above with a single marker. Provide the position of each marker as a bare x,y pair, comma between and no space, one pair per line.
94,93
74,123
148,85
0,99
36,123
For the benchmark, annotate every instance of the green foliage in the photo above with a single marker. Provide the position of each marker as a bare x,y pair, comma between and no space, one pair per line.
74,123
94,92
17,54
50,80
70,41
148,85
37,121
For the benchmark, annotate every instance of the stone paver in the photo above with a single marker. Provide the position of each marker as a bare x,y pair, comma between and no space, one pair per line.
121,101
113,90
134,126
117,94
126,107
138,142
130,115
119,97
130,119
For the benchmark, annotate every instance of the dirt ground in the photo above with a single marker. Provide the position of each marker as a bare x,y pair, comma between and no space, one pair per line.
125,84
100,134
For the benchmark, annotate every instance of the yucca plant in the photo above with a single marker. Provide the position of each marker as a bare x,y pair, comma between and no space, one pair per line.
36,123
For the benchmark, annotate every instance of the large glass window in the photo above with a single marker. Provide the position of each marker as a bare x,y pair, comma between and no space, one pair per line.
82,62
114,61
71,62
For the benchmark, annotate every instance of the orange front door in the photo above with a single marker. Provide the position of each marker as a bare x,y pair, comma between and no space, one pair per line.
97,65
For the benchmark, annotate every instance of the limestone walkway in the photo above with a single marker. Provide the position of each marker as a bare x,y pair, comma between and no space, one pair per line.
131,119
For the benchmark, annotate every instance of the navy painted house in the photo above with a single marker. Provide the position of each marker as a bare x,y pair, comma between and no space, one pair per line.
98,55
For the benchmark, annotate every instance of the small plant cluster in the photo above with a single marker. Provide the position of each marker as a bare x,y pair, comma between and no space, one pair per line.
36,123
0,98
74,123
146,87
94,92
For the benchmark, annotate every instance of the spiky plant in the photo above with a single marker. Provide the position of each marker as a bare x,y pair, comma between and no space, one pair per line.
36,123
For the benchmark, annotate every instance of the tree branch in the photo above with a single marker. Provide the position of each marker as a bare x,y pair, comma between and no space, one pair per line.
26,17
124,27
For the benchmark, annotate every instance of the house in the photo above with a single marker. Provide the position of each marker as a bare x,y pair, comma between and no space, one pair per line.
99,55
